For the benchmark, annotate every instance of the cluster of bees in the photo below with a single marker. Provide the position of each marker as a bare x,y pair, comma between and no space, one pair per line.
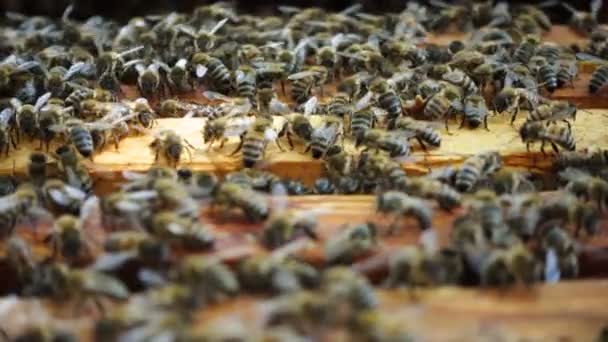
267,80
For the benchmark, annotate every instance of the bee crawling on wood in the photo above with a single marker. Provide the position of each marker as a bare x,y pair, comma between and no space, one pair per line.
402,205
554,134
171,146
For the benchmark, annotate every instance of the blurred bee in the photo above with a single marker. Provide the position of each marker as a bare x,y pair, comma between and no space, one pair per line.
51,115
387,100
325,136
567,72
23,203
276,273
351,243
584,22
206,40
170,226
171,146
150,82
255,139
525,50
6,137
61,197
556,240
75,173
288,225
586,186
297,125
475,112
11,70
449,14
378,170
546,73
554,111
467,60
326,56
511,182
353,85
233,195
79,134
512,99
393,142
302,84
567,209
210,279
554,134
475,168
422,131
218,72
69,239
362,120
400,204
506,267
267,73
344,286
339,105
447,197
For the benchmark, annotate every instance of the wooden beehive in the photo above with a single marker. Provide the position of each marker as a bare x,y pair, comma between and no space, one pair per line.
571,311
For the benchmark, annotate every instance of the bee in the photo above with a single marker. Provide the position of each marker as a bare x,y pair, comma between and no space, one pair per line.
393,142
525,50
170,226
21,259
475,168
218,72
567,209
414,266
206,40
233,195
225,127
179,77
267,73
467,60
210,279
584,22
558,242
66,283
325,136
553,111
584,185
27,116
171,146
599,78
546,73
265,97
447,197
351,243
459,78
79,134
554,134
379,170
6,138
402,205
344,286
245,83
387,100
327,56
297,125
422,131
23,203
69,238
49,116
362,120
443,104
340,167
511,182
254,141
506,267
339,105
302,84
475,111
512,99
276,273
567,72
61,197
37,169
76,174
288,225
123,209
353,85
150,82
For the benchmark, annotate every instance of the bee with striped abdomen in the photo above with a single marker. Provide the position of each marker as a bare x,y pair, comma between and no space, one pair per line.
400,204
171,146
554,134
475,112
325,136
476,168
387,100
554,111
75,173
422,131
255,139
513,99
396,143
204,64
232,195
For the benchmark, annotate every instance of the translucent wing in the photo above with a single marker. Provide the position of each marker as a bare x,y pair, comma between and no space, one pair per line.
90,213
182,63
238,126
351,9
428,240
41,101
130,51
201,71
278,107
302,74
218,26
99,283
364,101
212,95
596,5
552,272
151,278
270,134
59,196
74,70
311,105
583,56
109,262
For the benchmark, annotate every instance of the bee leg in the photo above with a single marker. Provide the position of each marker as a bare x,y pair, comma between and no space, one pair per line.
447,129
289,140
555,149
464,119
283,88
308,147
528,147
100,307
222,142
238,148
542,148
422,145
568,124
279,145
514,116
485,123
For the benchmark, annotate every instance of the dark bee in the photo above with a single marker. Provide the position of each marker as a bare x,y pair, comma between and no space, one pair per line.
179,77
232,195
204,64
325,136
171,146
400,204
76,174
387,100
254,141
546,73
525,50
297,125
37,168
339,105
553,134
245,82
475,111
361,121
475,168
599,78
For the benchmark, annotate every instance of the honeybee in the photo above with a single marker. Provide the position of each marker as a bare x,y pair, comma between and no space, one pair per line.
554,111
6,138
443,104
475,112
149,81
70,239
210,279
297,125
507,181
225,127
362,120
218,72
387,100
475,168
61,197
567,209
171,146
325,136
276,273
233,195
303,83
512,99
447,197
179,77
393,142
255,139
513,265
459,78
584,185
170,226
343,286
23,203
339,105
79,134
21,259
554,134
599,78
567,71
351,243
379,170
546,73
422,131
76,174
37,168
26,117
560,246
245,82
288,225
584,22
123,209
340,166
400,204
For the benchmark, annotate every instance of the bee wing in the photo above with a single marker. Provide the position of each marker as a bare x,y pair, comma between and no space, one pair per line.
218,25
239,109
429,240
143,195
109,262
27,66
213,96
454,76
100,283
596,5
41,101
570,174
311,105
133,176
6,115
201,70
59,196
279,197
278,107
583,56
238,125
75,69
300,75
289,9
270,134
8,203
552,272
351,9
90,212
364,101
151,278
131,51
